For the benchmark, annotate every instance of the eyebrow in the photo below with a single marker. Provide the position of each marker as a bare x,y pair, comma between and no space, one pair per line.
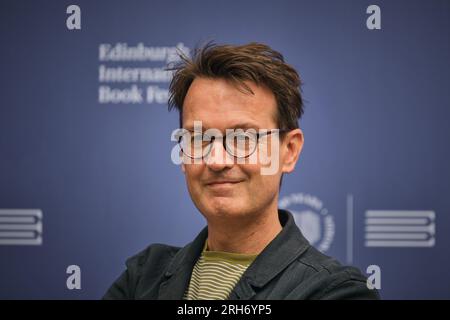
240,125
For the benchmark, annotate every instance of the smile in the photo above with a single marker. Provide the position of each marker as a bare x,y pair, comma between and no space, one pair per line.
222,184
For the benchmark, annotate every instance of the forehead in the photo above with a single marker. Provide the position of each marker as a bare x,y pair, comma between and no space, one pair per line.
218,103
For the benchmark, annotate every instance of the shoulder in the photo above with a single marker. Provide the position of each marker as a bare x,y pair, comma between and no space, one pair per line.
144,271
157,254
324,277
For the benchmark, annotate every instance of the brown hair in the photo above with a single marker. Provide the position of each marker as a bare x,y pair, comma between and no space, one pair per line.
254,62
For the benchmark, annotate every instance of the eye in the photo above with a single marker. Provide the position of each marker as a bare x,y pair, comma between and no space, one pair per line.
241,141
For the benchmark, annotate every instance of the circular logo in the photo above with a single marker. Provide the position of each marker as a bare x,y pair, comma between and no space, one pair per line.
313,219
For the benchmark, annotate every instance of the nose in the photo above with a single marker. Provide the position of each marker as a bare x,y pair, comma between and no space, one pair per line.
218,158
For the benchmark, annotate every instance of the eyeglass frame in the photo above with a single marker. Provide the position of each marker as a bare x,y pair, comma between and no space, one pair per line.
258,136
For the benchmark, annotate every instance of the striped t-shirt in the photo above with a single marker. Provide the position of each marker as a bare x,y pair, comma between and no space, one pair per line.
216,273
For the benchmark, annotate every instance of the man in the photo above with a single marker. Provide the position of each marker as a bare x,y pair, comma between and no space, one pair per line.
250,100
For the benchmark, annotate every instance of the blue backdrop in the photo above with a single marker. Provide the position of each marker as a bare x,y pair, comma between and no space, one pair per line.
92,173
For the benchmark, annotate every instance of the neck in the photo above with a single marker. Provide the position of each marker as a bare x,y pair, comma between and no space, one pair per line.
247,235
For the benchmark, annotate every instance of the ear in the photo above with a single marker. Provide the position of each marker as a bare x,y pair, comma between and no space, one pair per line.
292,146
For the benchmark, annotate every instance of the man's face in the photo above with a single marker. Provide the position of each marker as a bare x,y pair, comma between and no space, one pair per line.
223,188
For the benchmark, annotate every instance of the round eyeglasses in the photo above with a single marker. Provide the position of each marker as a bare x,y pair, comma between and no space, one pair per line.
237,143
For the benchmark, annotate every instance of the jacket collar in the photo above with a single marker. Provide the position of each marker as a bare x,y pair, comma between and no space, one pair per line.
179,270
287,246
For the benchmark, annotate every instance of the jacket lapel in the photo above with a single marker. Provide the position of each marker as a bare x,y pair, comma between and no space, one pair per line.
286,247
179,271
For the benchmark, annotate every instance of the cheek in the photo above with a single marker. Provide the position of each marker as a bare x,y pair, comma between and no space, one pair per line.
193,174
256,181
260,183
270,150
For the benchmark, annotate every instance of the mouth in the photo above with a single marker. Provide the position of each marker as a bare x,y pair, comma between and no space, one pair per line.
223,183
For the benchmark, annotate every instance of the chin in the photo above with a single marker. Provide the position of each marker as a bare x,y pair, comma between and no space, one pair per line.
224,207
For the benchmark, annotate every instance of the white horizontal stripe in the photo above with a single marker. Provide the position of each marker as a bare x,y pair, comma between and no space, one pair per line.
21,212
399,236
18,234
429,228
37,241
417,221
399,213
20,219
375,243
21,227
